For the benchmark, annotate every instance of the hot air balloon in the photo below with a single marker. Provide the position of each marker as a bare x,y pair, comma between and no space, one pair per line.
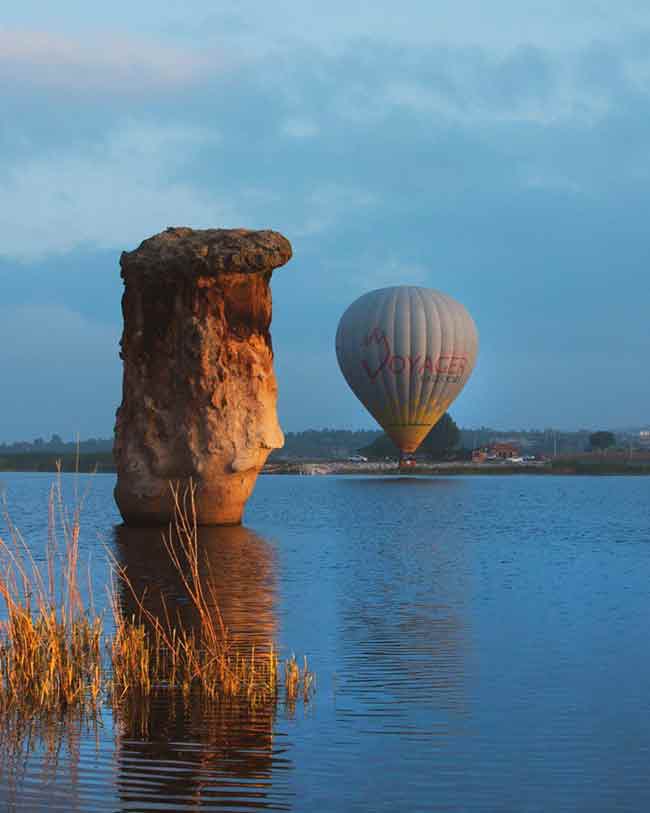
406,353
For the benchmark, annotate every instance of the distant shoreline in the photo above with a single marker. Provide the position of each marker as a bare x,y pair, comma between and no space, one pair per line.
451,468
103,463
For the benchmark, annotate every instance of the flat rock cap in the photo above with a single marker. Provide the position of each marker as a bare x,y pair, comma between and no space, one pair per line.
204,252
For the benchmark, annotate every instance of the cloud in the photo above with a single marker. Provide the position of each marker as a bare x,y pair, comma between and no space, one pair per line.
107,194
97,63
476,87
54,334
544,178
513,179
61,372
321,209
469,106
503,25
375,270
396,272
299,128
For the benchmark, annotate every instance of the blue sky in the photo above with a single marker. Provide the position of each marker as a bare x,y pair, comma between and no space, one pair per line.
498,152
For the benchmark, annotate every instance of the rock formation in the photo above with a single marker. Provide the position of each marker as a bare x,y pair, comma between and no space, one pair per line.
199,391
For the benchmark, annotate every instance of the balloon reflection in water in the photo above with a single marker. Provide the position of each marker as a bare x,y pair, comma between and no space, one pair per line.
183,744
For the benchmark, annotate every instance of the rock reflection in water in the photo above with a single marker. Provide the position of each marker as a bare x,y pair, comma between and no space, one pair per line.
177,750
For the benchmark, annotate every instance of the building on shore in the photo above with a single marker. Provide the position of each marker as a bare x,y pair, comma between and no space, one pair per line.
496,451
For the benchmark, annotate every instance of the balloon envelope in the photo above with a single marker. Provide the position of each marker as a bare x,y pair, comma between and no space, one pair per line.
406,352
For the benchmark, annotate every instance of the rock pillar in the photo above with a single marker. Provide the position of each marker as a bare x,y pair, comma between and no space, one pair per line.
199,391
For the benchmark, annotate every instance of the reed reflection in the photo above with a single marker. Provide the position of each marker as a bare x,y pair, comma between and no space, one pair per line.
175,748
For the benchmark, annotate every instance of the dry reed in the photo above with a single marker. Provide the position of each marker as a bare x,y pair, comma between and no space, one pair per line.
55,659
151,650
50,643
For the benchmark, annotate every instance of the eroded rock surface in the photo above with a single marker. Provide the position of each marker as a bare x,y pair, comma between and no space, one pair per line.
199,391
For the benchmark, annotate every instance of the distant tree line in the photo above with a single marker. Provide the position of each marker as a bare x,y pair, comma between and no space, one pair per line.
324,444
50,461
331,444
599,441
56,445
441,442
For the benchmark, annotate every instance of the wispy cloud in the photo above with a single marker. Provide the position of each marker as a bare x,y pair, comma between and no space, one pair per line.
324,207
55,332
375,271
107,194
469,106
59,361
502,25
300,128
121,63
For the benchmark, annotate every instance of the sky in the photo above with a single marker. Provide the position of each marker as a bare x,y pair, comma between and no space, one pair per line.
499,152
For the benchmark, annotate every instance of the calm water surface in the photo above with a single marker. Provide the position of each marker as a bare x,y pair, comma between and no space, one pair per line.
480,644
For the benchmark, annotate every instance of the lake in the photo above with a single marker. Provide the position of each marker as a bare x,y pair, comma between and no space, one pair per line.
479,643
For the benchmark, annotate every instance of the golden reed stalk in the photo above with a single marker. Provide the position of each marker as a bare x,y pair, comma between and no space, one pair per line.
54,656
50,644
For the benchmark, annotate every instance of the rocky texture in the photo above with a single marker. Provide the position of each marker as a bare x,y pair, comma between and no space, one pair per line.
199,392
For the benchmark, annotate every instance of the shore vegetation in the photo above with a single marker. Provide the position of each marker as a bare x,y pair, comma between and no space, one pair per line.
58,663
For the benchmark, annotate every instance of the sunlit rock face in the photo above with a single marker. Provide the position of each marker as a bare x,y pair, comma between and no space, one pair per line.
199,391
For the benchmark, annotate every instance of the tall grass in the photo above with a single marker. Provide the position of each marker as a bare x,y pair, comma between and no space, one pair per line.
50,642
153,650
55,657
